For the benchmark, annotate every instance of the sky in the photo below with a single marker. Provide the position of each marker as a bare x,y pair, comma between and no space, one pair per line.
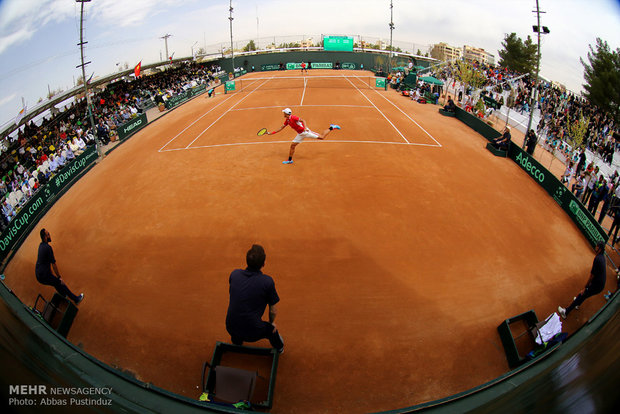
39,51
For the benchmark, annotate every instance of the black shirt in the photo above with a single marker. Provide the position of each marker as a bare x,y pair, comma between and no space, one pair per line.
45,259
250,293
599,270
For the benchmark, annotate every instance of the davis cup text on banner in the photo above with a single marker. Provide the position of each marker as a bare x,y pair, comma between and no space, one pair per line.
30,213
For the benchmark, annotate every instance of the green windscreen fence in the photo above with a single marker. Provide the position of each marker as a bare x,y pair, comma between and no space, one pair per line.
586,223
476,124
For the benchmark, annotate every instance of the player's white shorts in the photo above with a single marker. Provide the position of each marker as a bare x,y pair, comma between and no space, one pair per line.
305,134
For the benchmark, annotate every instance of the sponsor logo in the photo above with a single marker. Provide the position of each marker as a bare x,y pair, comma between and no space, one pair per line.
585,221
531,168
319,65
132,125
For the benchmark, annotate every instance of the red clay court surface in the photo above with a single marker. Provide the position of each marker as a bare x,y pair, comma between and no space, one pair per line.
398,245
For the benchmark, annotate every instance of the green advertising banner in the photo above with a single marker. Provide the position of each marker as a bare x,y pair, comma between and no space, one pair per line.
197,90
380,83
230,86
321,65
269,67
491,103
177,99
33,210
587,224
129,128
348,65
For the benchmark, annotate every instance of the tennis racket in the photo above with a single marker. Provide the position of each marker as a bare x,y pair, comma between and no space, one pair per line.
262,131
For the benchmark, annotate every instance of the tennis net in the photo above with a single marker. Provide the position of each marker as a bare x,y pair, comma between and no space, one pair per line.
303,82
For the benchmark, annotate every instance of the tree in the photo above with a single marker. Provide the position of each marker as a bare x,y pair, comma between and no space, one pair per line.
577,131
602,76
470,76
250,46
393,48
288,45
517,55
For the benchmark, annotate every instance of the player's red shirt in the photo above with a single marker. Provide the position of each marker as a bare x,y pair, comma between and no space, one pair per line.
294,122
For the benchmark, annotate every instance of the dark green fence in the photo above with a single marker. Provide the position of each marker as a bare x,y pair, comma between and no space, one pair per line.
477,124
131,127
185,96
586,223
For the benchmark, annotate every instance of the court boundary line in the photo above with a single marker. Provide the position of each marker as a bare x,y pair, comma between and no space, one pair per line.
407,115
190,125
372,103
303,94
227,111
302,106
305,142
197,119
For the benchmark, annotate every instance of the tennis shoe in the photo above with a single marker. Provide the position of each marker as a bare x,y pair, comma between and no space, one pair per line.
287,162
334,126
79,299
562,312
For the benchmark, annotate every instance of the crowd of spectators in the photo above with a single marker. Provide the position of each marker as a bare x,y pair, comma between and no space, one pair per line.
556,109
37,152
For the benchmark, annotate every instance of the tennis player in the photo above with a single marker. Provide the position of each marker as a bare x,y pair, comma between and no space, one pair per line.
303,131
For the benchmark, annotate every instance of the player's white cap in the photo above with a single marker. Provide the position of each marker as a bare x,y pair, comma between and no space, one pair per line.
287,111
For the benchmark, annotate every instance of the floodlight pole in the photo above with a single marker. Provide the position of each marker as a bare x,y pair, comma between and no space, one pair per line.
533,98
83,65
391,30
165,37
232,51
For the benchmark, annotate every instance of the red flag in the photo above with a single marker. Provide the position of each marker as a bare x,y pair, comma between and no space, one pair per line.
136,70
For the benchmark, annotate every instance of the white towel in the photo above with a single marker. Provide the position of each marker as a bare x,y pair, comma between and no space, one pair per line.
551,328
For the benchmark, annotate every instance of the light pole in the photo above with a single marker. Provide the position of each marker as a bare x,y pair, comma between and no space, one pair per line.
165,37
83,65
193,48
391,30
232,51
533,97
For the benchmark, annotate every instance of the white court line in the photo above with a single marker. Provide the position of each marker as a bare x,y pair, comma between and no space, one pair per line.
202,116
187,127
305,142
407,115
228,110
303,93
386,118
305,106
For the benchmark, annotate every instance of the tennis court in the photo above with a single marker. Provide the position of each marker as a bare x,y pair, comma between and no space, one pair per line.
397,245
319,99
